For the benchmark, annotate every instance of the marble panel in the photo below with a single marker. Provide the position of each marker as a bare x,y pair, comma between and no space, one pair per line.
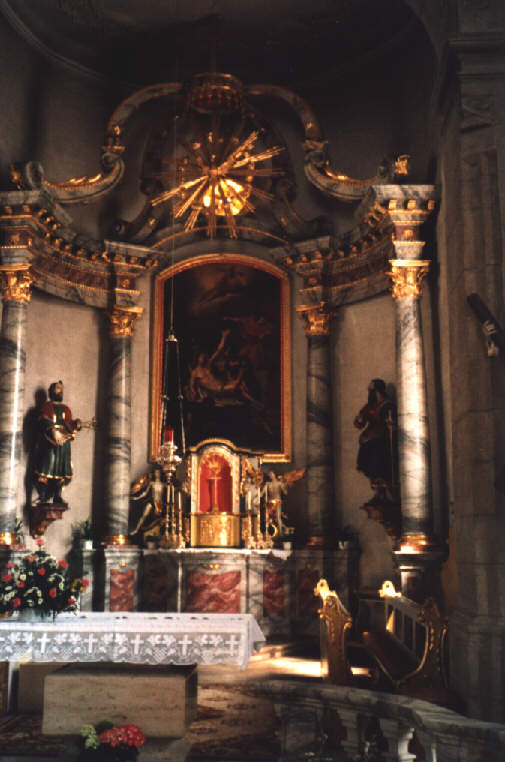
271,582
307,579
156,587
273,593
165,698
213,592
122,590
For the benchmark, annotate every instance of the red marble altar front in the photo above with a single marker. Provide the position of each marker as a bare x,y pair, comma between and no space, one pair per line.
213,593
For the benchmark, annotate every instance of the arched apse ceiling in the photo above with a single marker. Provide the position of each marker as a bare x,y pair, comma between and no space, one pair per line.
297,44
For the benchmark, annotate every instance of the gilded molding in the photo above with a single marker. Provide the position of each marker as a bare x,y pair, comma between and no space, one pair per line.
16,282
122,320
115,539
407,276
316,318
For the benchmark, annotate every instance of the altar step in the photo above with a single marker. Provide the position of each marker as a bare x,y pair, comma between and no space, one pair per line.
278,649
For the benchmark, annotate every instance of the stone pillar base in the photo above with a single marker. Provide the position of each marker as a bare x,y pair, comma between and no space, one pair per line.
419,567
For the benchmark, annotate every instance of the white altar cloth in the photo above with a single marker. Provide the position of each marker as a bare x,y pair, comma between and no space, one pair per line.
136,638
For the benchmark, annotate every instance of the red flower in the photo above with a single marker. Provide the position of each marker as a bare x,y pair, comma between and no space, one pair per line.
132,735
21,583
9,565
85,583
39,542
63,564
16,602
53,592
41,572
112,736
71,600
31,559
6,577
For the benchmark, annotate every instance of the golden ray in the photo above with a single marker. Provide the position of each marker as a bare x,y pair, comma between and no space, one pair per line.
268,154
179,211
233,157
212,210
192,218
169,194
264,195
256,172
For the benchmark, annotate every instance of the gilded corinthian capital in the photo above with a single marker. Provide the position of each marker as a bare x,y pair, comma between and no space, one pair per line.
316,318
122,320
407,276
16,282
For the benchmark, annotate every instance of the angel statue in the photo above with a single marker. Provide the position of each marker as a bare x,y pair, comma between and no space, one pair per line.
273,491
152,487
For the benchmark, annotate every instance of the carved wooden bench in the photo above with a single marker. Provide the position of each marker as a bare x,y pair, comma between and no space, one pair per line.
406,655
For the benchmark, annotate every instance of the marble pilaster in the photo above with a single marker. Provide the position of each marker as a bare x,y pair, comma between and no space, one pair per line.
317,319
86,599
118,446
15,282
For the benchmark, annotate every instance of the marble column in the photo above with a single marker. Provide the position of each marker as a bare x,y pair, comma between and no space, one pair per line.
15,283
418,555
320,487
118,443
413,434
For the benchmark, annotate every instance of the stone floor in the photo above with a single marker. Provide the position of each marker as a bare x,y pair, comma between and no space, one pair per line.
213,682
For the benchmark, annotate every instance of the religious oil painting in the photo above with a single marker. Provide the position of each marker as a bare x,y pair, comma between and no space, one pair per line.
231,317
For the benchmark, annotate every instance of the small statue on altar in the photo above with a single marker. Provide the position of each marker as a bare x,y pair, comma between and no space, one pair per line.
273,490
53,464
250,486
152,487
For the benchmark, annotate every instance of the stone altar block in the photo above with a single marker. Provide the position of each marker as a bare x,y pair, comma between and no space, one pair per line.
160,700
131,638
275,586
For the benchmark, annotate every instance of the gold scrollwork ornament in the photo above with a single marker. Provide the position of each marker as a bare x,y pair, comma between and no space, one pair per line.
122,320
407,277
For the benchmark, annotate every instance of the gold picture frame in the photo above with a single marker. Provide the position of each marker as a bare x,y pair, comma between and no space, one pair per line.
255,272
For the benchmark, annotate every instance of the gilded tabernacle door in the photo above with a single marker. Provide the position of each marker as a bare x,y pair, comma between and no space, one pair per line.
232,319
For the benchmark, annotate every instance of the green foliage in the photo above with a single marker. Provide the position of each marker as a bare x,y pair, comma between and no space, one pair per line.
82,530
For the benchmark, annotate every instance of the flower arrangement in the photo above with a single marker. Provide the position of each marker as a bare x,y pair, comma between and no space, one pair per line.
39,582
114,744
